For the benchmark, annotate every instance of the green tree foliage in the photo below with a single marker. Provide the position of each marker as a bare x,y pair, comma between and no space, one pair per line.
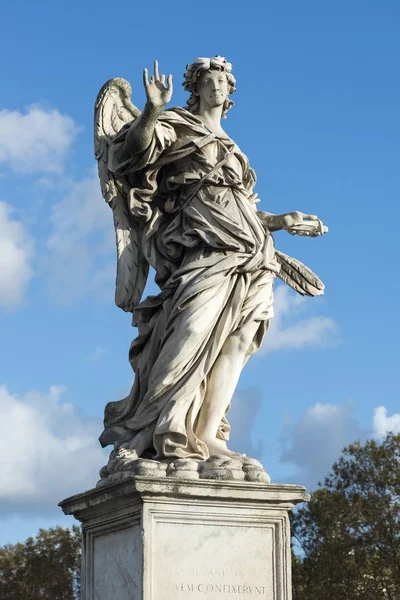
350,530
44,568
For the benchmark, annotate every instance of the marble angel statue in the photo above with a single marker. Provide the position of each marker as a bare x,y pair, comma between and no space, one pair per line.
183,201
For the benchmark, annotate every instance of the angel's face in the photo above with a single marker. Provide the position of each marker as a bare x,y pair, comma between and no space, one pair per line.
212,89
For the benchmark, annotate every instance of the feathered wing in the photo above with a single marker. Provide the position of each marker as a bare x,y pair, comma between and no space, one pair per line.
298,276
113,110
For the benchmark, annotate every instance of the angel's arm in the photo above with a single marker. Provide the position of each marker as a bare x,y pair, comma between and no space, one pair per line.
271,221
278,222
296,223
141,131
158,95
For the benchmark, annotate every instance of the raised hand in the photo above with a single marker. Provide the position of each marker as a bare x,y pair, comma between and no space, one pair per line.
158,94
298,223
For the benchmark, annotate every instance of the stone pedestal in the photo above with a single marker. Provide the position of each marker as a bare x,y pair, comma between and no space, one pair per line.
169,539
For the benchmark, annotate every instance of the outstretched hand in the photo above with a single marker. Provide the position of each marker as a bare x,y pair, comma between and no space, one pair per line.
298,223
158,94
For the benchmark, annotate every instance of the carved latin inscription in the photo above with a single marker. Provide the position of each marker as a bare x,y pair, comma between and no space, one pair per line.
225,588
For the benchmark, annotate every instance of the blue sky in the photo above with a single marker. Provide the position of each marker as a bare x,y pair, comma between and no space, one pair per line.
317,112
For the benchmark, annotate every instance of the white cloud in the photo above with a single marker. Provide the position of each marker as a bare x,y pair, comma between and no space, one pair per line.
16,253
316,441
288,331
383,424
47,183
49,451
36,140
81,247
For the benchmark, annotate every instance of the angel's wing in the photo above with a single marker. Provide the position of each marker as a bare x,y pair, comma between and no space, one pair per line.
113,110
298,276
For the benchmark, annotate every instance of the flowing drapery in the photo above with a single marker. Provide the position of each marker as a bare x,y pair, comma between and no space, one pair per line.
215,266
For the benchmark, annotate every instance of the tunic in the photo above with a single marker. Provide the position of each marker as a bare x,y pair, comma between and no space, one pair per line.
215,266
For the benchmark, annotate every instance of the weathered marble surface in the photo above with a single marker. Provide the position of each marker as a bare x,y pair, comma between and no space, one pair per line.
225,468
165,539
183,202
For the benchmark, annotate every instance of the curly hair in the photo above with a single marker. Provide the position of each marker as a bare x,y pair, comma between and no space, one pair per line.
193,72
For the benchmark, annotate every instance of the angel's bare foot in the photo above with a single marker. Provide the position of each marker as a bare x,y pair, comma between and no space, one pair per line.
126,454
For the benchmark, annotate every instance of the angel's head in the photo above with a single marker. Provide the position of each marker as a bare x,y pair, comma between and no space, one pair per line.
209,81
